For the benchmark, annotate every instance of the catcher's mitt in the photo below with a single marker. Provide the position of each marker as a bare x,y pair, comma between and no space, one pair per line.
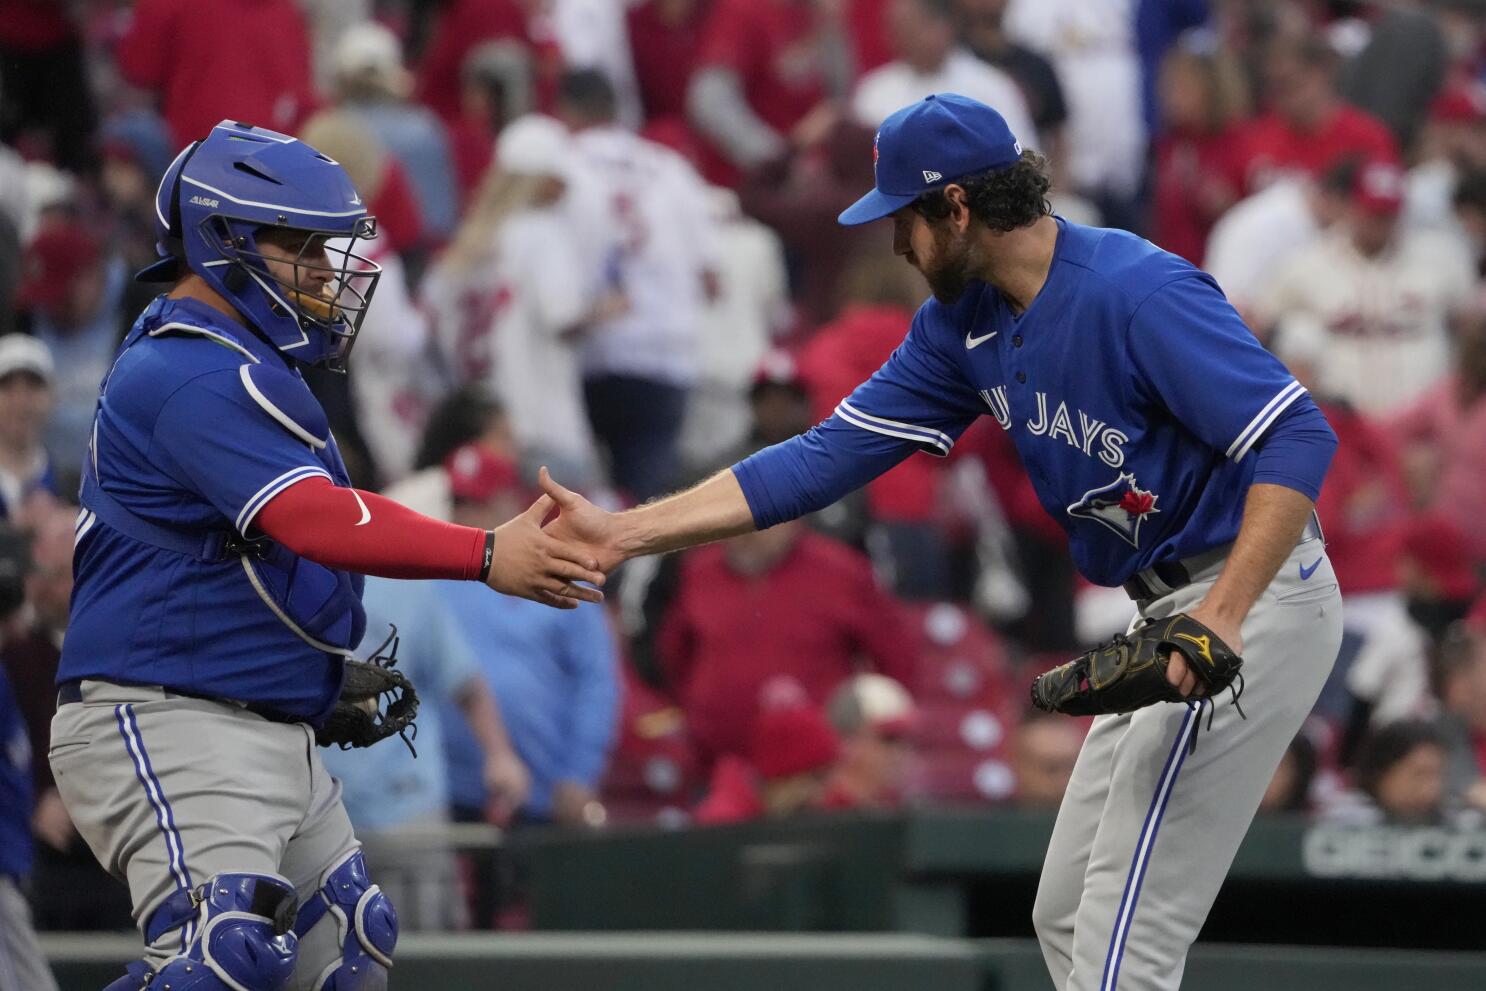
358,719
1129,672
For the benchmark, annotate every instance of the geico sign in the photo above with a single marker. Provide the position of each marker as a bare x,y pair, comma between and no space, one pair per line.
1420,854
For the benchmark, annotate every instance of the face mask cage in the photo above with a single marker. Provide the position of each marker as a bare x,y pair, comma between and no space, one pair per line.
325,285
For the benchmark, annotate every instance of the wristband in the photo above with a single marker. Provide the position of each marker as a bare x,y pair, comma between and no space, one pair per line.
489,556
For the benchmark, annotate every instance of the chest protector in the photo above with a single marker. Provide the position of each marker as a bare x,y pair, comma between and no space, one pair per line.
322,606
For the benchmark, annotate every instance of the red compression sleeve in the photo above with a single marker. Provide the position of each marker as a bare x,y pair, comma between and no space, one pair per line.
363,532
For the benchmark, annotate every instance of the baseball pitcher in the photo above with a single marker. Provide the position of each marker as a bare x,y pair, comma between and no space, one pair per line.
1183,461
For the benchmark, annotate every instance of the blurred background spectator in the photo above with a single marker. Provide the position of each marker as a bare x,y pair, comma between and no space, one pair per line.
26,401
371,83
390,791
1289,790
928,58
768,73
553,674
1308,126
983,29
785,770
48,103
779,602
1444,436
1091,46
1043,755
258,50
873,717
72,296
514,292
1400,778
1203,103
658,251
1376,296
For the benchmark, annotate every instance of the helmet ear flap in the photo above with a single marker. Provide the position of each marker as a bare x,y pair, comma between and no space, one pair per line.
174,229
235,279
174,236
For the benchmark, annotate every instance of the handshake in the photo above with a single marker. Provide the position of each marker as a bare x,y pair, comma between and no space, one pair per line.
562,539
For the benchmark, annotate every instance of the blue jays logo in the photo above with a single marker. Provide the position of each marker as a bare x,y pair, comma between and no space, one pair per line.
1121,505
875,138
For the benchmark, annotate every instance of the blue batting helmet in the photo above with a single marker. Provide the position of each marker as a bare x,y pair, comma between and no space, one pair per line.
222,193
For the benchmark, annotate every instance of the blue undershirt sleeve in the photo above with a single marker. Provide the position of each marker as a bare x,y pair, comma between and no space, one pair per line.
1296,450
812,471
920,400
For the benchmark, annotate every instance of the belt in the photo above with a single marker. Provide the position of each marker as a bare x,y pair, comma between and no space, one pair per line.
1165,577
69,692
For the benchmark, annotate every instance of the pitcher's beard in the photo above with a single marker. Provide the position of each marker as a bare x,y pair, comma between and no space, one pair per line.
951,274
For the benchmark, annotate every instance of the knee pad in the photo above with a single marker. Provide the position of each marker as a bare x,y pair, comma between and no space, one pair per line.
366,927
238,937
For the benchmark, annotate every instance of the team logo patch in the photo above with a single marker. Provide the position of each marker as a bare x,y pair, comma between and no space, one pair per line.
1122,505
875,138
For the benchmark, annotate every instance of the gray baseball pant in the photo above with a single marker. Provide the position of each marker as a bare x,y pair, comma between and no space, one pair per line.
1147,829
168,790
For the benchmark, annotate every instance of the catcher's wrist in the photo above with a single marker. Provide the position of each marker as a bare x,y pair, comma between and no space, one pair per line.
489,557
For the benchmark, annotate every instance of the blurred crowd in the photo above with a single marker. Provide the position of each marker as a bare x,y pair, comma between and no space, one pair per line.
609,228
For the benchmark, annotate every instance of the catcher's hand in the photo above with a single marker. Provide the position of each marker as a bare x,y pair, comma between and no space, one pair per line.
358,719
1129,672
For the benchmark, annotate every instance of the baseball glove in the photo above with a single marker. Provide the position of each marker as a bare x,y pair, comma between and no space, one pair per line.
359,718
1129,672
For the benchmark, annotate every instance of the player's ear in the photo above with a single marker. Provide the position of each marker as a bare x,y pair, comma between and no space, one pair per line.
959,206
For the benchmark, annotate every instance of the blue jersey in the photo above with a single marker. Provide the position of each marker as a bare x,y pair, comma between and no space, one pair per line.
199,424
1131,388
15,786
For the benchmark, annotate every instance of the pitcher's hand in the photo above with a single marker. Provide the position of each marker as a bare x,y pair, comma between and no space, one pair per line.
530,563
582,526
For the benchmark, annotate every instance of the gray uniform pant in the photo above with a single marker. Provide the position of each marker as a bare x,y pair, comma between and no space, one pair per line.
169,790
1147,831
22,965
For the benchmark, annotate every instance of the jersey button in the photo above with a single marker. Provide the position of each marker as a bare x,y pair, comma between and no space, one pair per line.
1016,341
1021,376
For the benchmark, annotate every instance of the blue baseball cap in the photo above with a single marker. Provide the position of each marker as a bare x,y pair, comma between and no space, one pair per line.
929,144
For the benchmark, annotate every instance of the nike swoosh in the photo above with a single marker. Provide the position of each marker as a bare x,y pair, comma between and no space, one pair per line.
365,513
1305,573
974,342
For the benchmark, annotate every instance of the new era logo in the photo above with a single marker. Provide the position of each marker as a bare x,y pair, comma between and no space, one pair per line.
932,176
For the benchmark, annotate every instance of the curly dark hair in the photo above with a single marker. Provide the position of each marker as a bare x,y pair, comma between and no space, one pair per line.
1002,199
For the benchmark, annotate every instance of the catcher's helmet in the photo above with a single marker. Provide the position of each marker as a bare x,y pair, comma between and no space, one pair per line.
220,193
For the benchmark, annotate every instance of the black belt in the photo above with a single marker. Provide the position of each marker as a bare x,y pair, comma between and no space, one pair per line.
1172,574
1165,577
72,691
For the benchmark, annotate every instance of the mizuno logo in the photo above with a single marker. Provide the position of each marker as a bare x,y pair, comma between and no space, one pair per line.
205,201
1204,645
1305,573
365,513
974,342
932,176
